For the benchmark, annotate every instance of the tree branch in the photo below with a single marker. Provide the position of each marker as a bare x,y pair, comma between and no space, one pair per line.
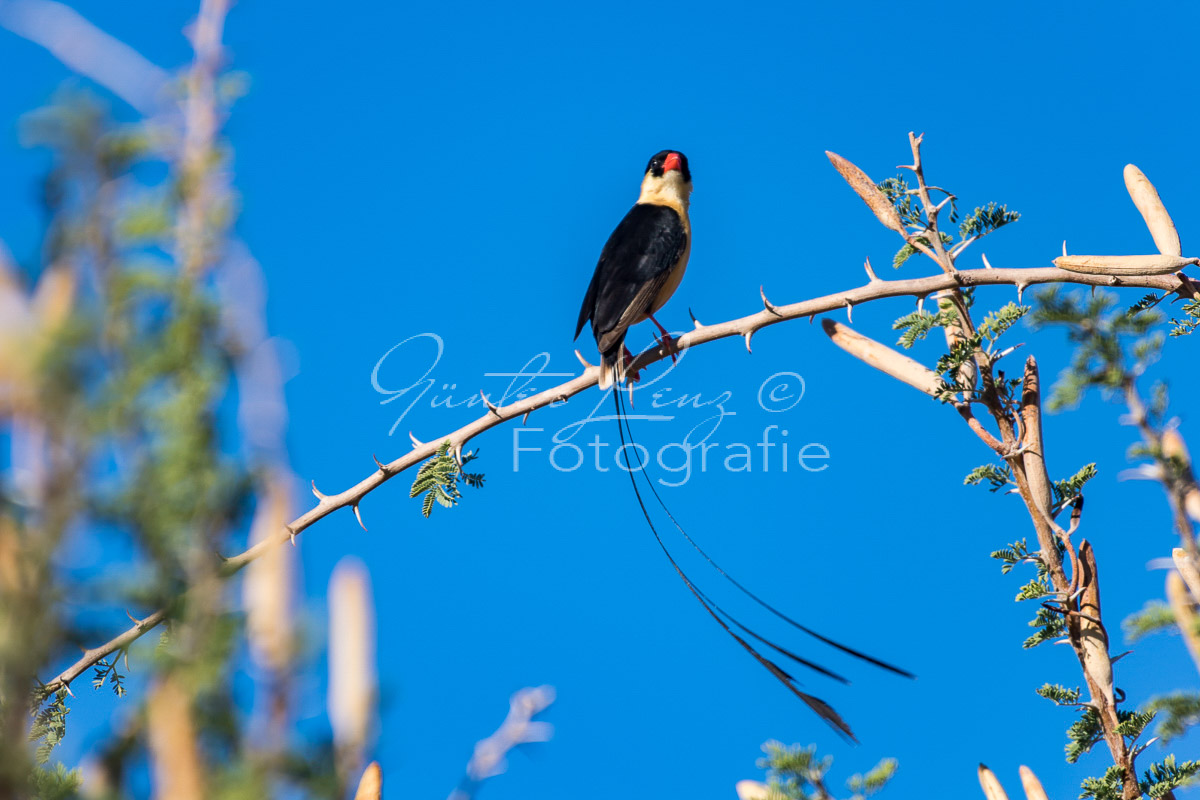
742,327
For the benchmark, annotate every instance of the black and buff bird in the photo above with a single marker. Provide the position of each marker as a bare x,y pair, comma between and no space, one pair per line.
642,263
639,270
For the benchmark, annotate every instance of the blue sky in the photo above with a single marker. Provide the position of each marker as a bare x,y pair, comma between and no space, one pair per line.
454,169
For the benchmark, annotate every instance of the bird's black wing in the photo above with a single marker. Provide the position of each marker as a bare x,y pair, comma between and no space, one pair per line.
635,263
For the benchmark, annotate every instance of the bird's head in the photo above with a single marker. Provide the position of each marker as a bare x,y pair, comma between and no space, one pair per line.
668,180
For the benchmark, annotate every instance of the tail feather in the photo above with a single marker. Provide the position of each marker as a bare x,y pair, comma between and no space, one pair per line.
612,365
615,368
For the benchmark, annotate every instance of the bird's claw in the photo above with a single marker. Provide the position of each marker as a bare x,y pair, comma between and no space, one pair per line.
667,343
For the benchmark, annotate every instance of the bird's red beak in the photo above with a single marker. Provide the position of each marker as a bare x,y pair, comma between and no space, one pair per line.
672,162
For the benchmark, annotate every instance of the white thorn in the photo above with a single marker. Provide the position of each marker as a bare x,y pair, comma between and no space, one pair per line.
582,360
416,442
870,272
1020,291
491,406
317,492
358,516
986,264
67,687
525,418
458,456
767,303
291,534
1064,247
694,320
747,336
849,310
920,304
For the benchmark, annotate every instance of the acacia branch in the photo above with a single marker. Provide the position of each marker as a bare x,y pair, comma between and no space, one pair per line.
742,327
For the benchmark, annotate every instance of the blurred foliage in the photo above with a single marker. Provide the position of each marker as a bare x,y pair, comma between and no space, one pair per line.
796,773
115,380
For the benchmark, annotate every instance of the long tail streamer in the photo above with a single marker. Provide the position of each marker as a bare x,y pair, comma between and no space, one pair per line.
724,618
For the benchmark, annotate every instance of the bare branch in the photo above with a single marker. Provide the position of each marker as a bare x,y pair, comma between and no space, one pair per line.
741,327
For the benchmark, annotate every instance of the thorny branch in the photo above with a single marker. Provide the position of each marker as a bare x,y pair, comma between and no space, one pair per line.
1018,440
742,327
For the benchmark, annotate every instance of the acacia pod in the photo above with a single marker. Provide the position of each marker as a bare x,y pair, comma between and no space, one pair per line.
752,790
370,787
990,784
1124,265
1181,603
884,358
1146,198
865,188
1033,787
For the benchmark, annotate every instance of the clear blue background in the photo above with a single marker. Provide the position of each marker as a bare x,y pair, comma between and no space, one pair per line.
455,168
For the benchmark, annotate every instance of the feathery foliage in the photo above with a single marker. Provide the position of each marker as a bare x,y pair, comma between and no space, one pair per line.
1191,319
797,773
1180,711
1155,616
438,479
999,476
1069,489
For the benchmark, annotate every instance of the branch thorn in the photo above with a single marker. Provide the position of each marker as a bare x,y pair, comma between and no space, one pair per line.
747,336
694,320
415,441
134,619
358,516
317,493
382,467
291,533
986,264
870,272
491,406
767,303
1064,247
849,309
582,360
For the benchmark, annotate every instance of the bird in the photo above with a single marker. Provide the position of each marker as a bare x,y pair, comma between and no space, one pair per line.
640,267
642,263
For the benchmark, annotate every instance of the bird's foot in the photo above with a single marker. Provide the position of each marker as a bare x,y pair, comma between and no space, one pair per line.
664,339
630,377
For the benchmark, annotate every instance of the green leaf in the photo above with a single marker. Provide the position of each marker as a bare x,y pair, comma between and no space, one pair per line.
998,476
983,221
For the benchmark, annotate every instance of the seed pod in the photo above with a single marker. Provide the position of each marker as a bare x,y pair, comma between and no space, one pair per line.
1191,503
1185,613
752,790
992,789
352,674
1033,787
883,358
1174,448
371,785
1124,265
1146,198
865,188
1187,569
